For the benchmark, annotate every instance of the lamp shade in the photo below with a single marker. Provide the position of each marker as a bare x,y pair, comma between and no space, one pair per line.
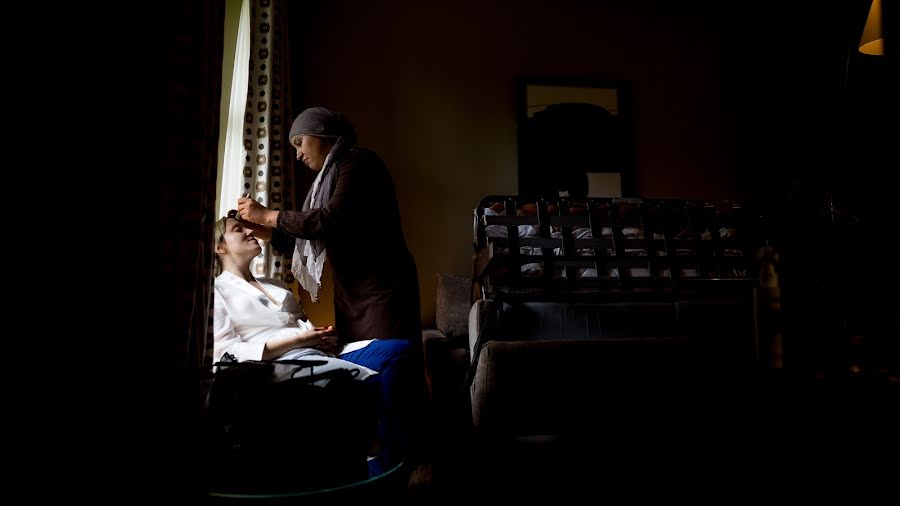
872,40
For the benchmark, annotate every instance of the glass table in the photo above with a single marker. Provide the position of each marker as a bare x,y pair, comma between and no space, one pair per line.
390,486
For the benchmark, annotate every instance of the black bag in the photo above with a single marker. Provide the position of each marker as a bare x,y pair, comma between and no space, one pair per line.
290,435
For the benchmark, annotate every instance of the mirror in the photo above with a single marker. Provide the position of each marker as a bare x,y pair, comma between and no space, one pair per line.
574,138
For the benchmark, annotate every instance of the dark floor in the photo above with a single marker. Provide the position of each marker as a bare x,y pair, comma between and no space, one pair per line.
772,434
760,435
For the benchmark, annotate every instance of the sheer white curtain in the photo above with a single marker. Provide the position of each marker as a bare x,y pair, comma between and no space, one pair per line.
231,163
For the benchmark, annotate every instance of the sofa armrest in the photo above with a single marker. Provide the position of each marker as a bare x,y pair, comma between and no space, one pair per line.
482,320
439,348
446,363
434,345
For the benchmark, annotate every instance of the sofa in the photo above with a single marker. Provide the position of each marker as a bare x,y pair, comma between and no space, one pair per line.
532,368
542,368
526,392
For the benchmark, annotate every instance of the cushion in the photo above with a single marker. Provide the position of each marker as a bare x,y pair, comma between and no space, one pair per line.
453,304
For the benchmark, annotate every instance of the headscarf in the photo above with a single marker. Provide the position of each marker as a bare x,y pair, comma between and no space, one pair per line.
309,254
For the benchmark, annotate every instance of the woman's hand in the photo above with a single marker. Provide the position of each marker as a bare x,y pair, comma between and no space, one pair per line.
323,338
259,231
252,211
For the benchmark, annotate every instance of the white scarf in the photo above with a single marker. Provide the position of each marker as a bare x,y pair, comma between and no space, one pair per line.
309,272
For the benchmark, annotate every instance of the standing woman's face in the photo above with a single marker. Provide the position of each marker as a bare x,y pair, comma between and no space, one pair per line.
311,150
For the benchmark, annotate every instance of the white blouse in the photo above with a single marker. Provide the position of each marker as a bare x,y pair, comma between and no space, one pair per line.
244,319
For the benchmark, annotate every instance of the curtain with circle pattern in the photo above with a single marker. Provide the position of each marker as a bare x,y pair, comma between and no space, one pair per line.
268,171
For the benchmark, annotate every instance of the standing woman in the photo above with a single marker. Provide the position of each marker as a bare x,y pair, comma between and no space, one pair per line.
351,214
351,218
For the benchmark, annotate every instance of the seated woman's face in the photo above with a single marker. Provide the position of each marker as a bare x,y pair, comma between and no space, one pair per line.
238,240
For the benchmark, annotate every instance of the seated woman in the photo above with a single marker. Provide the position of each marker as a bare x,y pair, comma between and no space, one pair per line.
258,320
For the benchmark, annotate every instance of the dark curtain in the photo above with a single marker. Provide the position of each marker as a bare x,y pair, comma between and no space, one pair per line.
178,132
192,93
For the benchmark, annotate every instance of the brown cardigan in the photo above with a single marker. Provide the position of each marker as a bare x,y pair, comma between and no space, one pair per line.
376,288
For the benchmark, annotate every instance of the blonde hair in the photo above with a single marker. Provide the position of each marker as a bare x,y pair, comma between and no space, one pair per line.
219,236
